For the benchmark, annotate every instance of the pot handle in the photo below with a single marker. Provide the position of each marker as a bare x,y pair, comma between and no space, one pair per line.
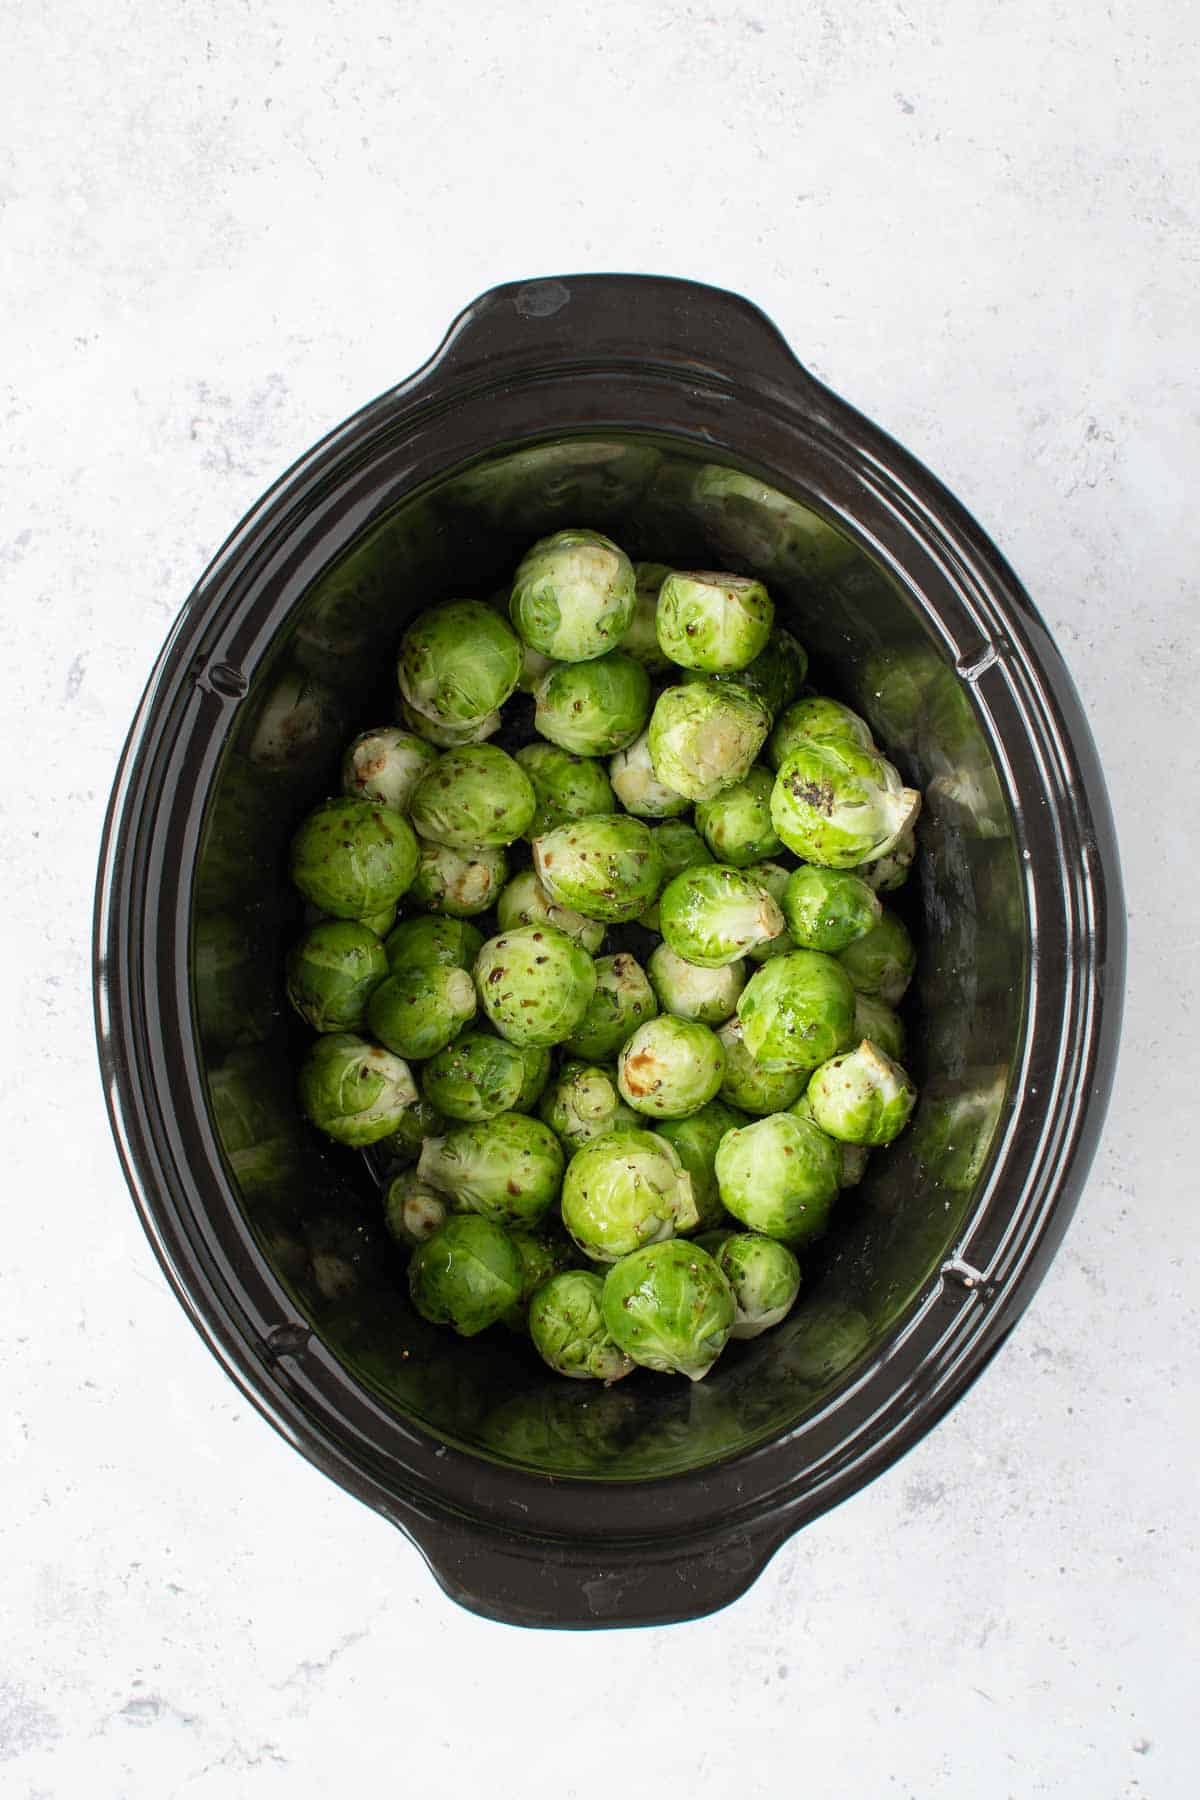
641,319
519,1581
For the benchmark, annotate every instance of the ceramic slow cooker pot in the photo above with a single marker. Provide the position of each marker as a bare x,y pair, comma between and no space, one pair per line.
673,417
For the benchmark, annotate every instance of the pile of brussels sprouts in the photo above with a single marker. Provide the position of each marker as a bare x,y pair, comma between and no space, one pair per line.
614,1140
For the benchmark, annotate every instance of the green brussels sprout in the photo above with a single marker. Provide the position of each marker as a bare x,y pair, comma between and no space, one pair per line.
593,708
624,1189
583,1101
776,674
412,1210
566,1323
538,1063
883,962
862,1097
679,847
385,765
704,737
509,1168
826,909
779,1176
417,1012
467,1275
774,877
837,805
534,984
669,1307
433,942
573,596
816,720
526,902
533,666
458,663
747,1085
765,1278
332,973
690,992
605,868
875,1019
475,1077
354,1091
623,998
696,1140
711,621
713,915
670,1067
890,871
353,857
544,1254
641,639
797,1011
456,882
736,824
638,788
449,737
475,796
415,1124
565,787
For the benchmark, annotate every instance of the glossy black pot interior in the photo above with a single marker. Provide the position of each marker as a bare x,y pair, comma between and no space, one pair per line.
674,418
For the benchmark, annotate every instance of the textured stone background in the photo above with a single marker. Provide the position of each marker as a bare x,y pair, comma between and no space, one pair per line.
224,227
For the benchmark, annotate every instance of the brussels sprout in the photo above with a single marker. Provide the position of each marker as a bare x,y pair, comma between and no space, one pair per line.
413,1211
415,1124
332,973
534,984
458,663
467,1275
461,884
704,737
352,857
890,871
826,909
641,639
797,1011
386,765
417,1012
690,992
776,674
816,720
669,1307
623,998
533,666
432,942
573,596
538,1065
679,847
747,1084
638,788
476,1077
508,1168
838,806
779,1176
875,1019
774,877
475,796
624,1189
582,1102
882,963
593,708
526,902
565,787
736,824
450,737
354,1091
670,1067
605,868
544,1254
566,1323
713,915
713,622
765,1278
696,1140
862,1097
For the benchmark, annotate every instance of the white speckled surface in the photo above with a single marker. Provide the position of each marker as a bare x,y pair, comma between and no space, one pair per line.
223,228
